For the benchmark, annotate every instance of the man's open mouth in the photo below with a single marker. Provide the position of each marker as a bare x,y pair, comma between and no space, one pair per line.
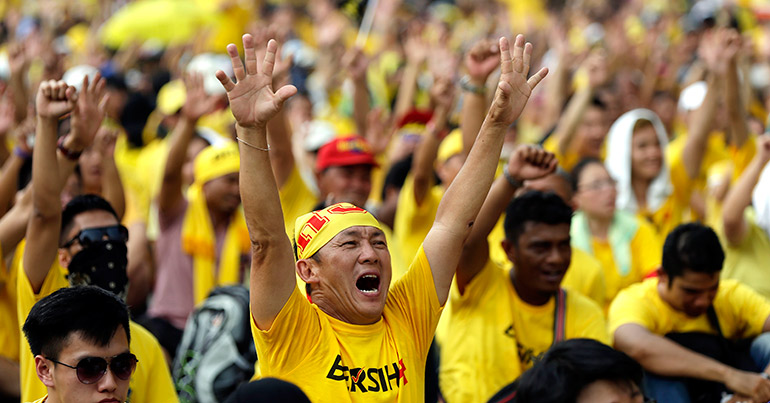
368,283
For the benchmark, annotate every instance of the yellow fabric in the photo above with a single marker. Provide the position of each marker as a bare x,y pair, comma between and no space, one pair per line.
568,160
296,200
150,383
646,252
171,97
332,361
198,239
672,212
41,400
450,146
412,222
9,338
313,230
740,310
492,336
747,261
716,150
584,275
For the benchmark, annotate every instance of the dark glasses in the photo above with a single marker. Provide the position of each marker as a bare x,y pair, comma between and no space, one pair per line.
91,235
91,369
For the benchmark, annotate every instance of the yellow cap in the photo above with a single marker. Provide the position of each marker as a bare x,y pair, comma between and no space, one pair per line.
171,97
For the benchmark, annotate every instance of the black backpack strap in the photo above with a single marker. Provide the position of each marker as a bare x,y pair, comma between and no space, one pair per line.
714,321
560,316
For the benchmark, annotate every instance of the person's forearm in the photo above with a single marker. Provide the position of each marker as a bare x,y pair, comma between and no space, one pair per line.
555,91
20,97
9,178
736,109
425,156
570,120
279,136
738,198
13,224
45,170
360,104
171,188
698,132
407,90
472,114
112,186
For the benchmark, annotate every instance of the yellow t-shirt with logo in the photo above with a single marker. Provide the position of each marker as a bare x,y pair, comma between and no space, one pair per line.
150,383
334,361
491,336
741,311
9,339
747,262
413,222
646,252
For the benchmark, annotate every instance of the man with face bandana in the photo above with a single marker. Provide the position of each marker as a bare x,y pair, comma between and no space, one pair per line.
360,339
91,242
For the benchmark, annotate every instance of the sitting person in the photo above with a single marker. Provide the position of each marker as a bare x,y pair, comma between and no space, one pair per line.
80,339
359,335
683,327
618,239
580,371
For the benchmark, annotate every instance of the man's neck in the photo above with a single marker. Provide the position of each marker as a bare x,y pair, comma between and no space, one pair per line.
531,297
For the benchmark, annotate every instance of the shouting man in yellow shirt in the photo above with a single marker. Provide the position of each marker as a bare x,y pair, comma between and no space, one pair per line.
359,340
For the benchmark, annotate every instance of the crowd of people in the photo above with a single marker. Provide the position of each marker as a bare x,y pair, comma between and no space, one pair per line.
442,201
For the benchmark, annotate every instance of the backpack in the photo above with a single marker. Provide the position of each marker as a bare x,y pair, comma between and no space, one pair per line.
217,351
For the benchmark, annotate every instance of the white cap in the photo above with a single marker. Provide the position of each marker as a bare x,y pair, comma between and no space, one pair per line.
207,65
692,97
319,132
74,76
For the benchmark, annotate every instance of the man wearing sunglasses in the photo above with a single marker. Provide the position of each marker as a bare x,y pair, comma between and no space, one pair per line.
80,339
86,236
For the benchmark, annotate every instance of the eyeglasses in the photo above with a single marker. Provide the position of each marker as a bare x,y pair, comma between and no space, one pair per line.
608,183
92,369
91,235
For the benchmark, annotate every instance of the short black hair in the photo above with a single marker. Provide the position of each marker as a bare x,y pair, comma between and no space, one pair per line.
692,247
81,204
93,313
534,206
570,366
397,175
578,169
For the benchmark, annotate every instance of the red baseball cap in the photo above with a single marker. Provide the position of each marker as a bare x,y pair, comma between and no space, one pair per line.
345,151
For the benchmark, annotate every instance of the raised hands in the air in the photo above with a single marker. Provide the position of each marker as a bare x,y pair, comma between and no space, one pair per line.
252,98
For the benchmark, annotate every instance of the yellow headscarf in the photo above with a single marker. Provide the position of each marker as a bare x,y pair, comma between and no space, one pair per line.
198,239
313,230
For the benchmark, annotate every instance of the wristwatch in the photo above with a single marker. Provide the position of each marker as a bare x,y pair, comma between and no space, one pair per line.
465,84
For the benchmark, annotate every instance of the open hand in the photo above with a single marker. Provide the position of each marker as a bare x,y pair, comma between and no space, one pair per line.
513,89
89,110
528,162
197,103
252,100
55,99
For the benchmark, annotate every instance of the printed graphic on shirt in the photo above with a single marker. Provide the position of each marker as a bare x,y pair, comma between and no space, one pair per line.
365,379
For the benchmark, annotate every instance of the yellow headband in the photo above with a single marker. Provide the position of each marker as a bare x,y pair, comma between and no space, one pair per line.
313,230
216,161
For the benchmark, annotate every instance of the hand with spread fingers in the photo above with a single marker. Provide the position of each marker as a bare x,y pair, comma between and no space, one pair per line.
89,110
513,89
529,162
252,99
55,99
197,103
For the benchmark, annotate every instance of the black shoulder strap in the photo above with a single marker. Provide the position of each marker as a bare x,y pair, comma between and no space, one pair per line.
559,315
713,320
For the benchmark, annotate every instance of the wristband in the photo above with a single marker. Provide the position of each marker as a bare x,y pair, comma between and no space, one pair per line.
465,84
515,183
69,154
19,152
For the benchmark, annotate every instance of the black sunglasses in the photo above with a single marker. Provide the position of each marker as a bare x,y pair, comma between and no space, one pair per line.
91,369
91,235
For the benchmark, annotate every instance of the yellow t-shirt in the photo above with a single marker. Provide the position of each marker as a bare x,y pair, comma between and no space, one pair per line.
646,251
747,262
584,275
150,383
9,339
413,222
740,310
334,361
492,336
296,200
571,158
41,400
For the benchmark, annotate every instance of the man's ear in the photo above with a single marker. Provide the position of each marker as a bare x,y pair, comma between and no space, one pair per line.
307,269
64,258
44,369
509,248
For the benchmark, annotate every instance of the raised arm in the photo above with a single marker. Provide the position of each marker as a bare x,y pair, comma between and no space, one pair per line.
196,105
253,103
55,99
482,59
662,356
112,185
526,163
425,156
736,108
464,197
357,64
739,196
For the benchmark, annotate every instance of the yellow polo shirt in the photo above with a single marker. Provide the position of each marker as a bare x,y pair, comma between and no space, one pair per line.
491,336
334,361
